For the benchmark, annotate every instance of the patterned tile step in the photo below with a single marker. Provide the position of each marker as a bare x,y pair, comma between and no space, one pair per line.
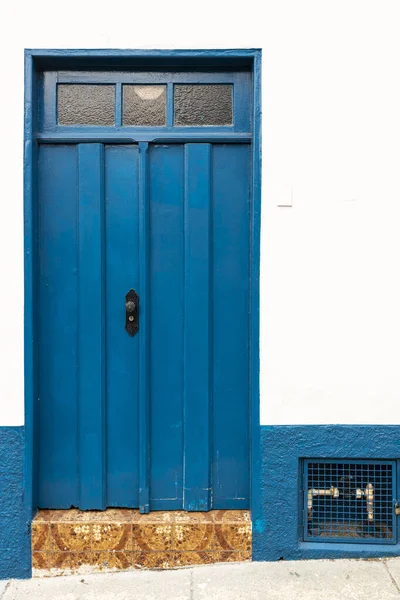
73,541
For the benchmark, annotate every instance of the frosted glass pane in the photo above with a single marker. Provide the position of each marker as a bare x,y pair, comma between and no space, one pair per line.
84,104
144,104
203,105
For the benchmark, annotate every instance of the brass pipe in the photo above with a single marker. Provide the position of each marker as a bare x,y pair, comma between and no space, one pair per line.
368,494
332,491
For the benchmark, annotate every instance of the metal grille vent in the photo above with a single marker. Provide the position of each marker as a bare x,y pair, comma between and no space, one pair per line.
351,501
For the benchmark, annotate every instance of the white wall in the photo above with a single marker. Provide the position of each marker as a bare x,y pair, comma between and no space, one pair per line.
330,329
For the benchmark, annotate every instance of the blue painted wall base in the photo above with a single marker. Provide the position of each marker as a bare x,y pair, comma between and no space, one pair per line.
276,533
15,540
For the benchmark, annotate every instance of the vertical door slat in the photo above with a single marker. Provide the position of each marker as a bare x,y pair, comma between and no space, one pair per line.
91,343
197,327
122,351
231,309
166,201
144,502
57,292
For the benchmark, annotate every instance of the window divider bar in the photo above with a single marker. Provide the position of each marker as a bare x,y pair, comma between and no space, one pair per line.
170,105
118,104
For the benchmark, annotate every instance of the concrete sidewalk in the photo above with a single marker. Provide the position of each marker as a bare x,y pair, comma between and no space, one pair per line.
311,580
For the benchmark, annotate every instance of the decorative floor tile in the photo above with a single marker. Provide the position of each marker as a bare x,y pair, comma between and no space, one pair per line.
185,559
153,517
106,561
227,516
111,536
65,516
42,560
73,541
193,536
45,515
71,537
121,515
41,537
233,536
152,536
180,516
71,560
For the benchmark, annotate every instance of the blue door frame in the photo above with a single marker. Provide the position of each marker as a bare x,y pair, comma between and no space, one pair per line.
35,62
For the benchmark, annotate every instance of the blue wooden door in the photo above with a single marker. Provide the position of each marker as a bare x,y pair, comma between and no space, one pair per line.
159,420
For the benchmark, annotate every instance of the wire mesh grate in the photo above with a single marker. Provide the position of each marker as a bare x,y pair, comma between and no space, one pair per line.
349,501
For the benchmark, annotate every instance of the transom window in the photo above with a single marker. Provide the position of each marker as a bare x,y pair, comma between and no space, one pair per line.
121,100
145,105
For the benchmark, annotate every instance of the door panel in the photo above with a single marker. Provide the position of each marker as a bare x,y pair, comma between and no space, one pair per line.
166,325
122,351
197,393
91,321
91,441
231,262
58,309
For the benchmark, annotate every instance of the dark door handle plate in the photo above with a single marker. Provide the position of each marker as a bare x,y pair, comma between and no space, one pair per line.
132,312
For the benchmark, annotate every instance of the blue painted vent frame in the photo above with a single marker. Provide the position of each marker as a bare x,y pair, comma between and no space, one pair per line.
351,501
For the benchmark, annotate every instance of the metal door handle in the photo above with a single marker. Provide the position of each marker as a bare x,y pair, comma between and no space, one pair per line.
131,312
130,306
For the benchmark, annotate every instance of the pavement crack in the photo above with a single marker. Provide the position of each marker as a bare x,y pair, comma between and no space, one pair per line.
391,577
3,593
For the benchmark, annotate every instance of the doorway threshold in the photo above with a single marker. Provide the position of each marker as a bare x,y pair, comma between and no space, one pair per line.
66,542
